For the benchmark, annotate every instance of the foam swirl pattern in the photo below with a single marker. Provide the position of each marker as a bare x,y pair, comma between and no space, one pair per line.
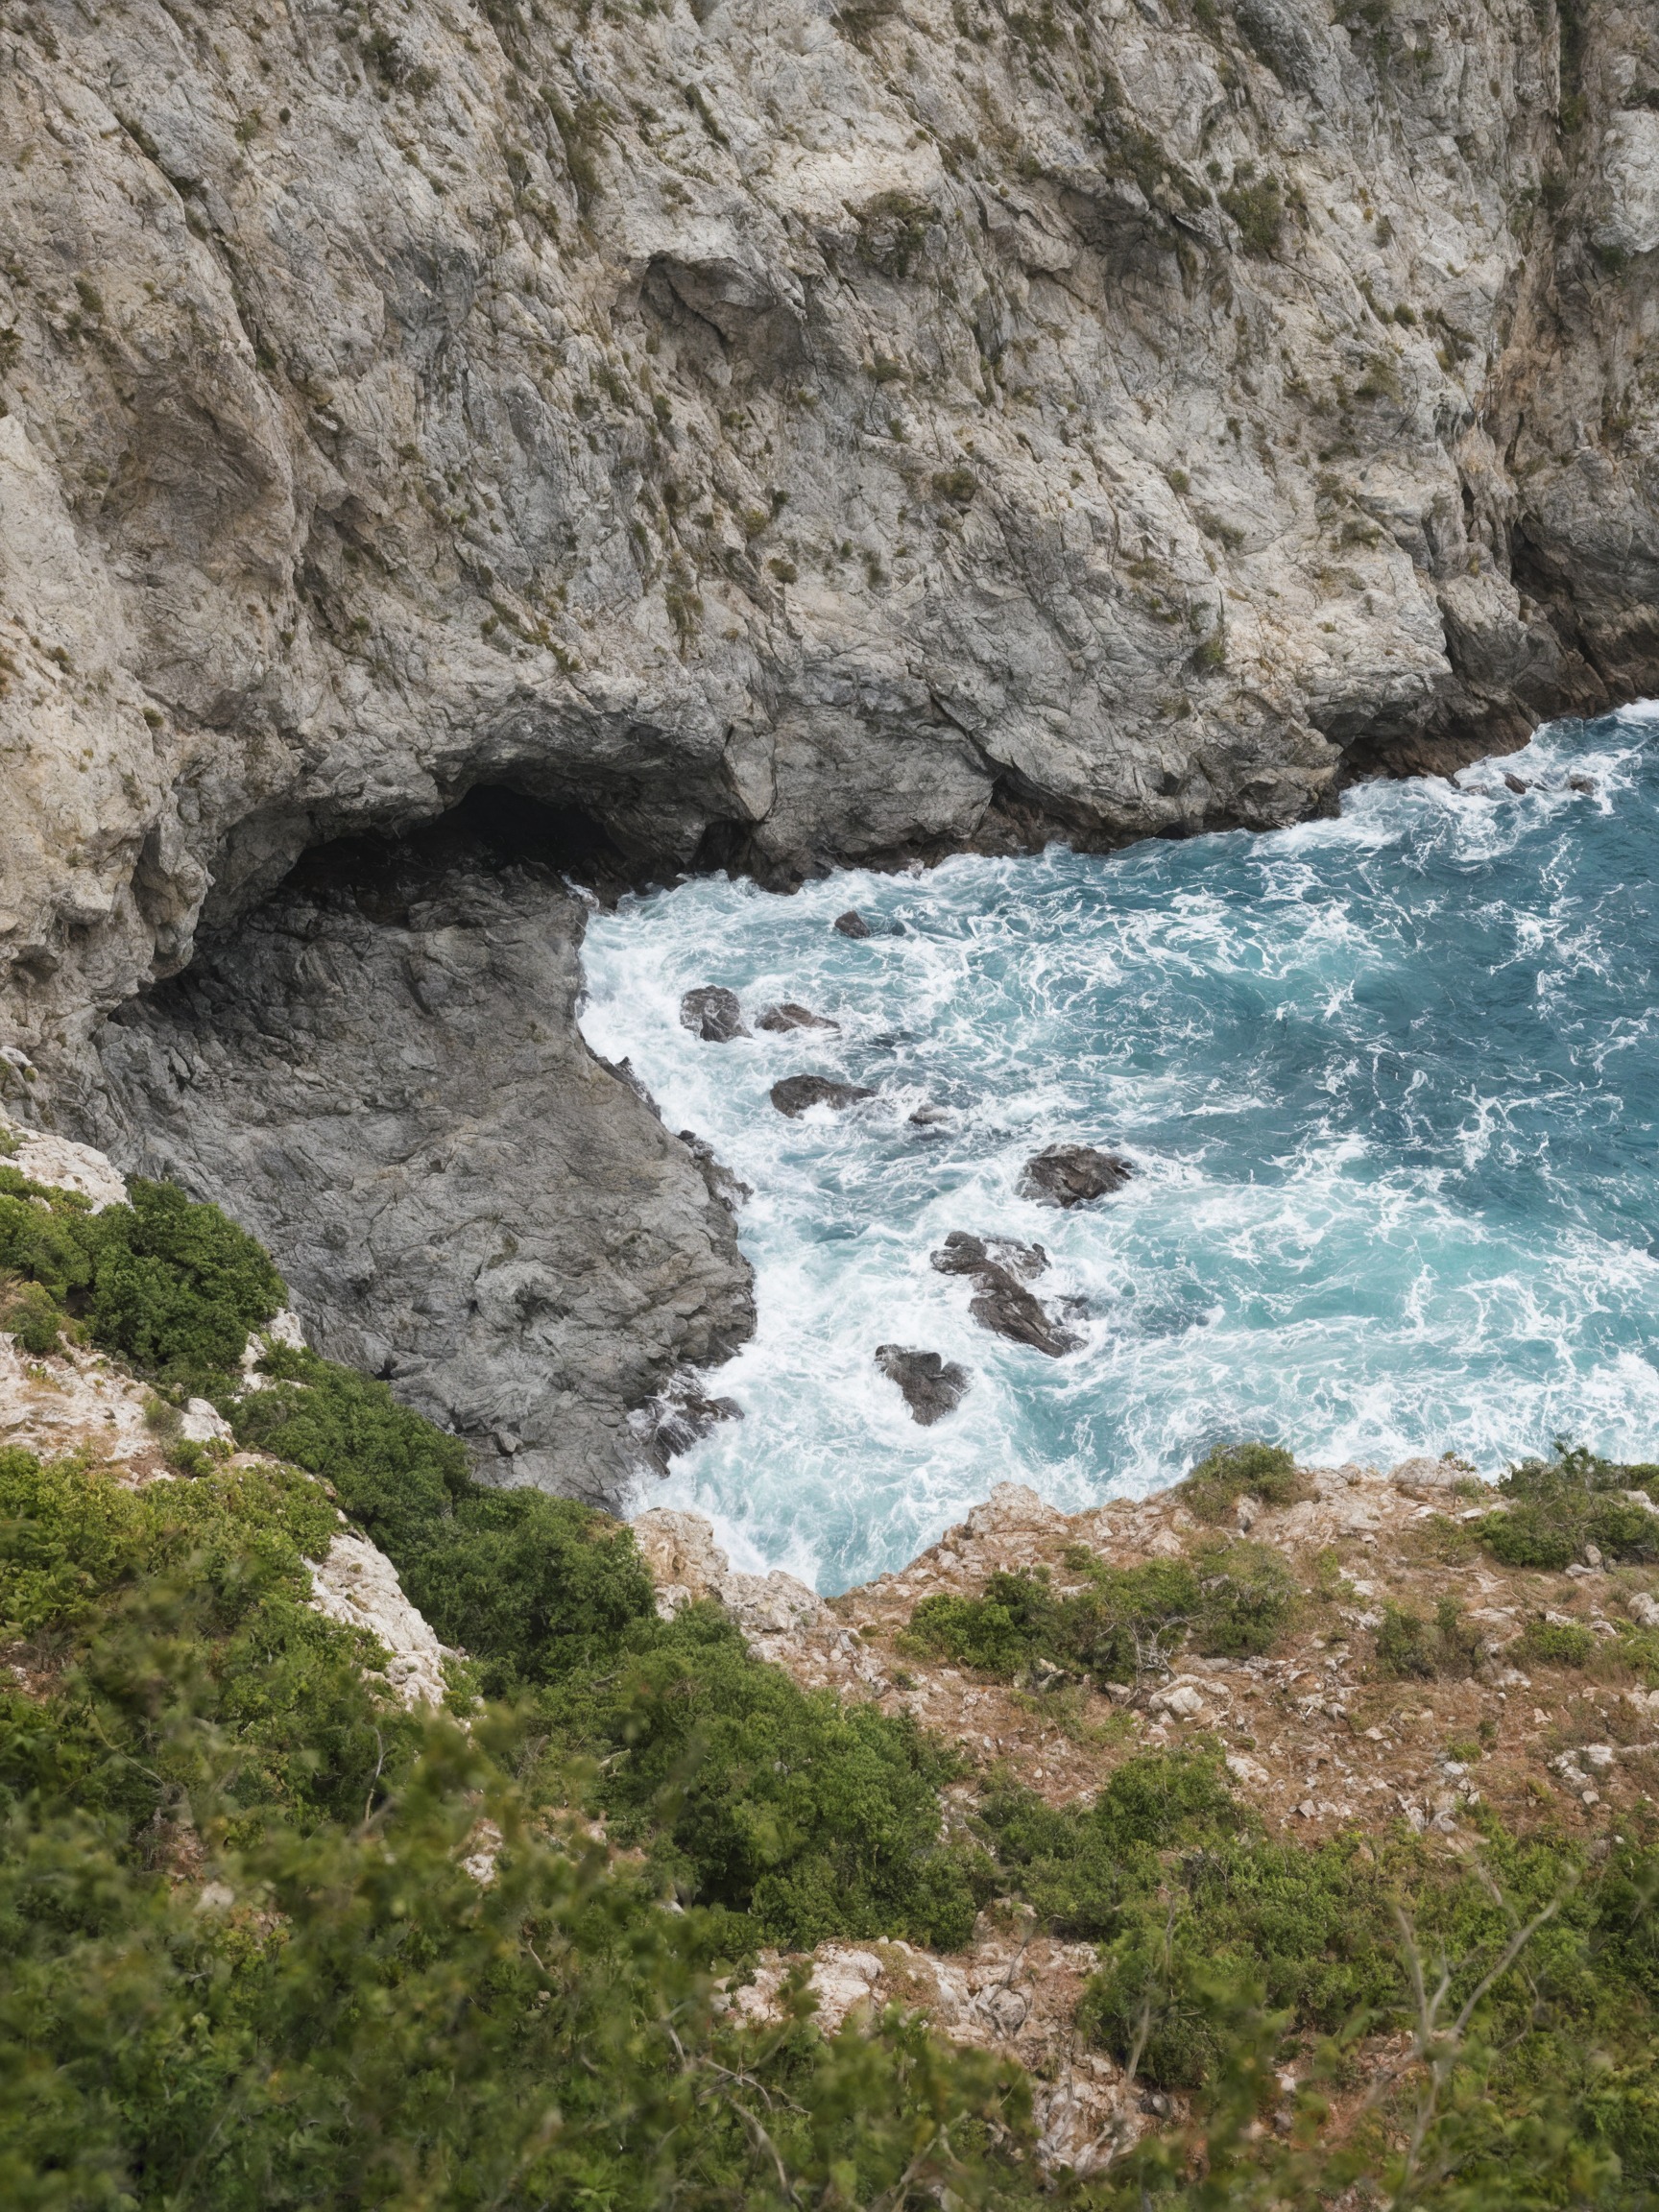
1391,1081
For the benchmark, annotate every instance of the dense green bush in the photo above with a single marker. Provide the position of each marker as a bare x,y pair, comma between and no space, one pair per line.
1410,1646
1233,1471
190,1682
243,1962
1551,1644
530,1585
1557,1506
1229,1599
171,1286
747,1793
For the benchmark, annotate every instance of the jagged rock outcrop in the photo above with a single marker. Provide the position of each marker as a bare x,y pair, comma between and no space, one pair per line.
791,433
379,1074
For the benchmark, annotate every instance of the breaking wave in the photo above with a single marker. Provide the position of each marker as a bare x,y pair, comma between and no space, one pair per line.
1390,1082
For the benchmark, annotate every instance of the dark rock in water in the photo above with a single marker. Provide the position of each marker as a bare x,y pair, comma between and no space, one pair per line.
1584,784
1073,1175
789,1016
931,1386
795,1094
1515,784
852,924
713,1014
963,1255
929,1116
1001,1304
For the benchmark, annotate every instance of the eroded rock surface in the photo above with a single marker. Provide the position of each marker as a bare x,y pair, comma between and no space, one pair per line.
931,1385
379,1074
1073,1175
1127,426
713,1014
798,1095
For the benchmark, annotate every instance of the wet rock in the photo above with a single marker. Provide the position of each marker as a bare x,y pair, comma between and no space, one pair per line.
728,1189
1516,784
961,1254
789,1016
929,1116
681,1417
1001,1304
1073,1175
377,1076
1584,784
933,1387
852,924
795,1095
713,1014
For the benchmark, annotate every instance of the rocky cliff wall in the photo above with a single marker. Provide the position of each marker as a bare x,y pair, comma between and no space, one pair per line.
792,432
379,1074
786,432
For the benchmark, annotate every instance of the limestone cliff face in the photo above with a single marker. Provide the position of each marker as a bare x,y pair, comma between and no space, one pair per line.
790,432
379,1074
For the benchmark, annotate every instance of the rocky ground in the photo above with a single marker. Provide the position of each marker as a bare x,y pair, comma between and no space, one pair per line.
1317,1739
379,1074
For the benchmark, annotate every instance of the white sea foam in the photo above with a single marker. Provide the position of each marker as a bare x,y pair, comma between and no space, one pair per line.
1390,1081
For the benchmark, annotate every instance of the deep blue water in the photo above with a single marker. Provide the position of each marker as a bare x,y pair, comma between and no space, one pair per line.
1392,1083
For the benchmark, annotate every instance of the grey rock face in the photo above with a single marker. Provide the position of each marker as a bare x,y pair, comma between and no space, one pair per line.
903,447
1005,1306
796,1095
931,1385
1073,1175
713,1014
380,1075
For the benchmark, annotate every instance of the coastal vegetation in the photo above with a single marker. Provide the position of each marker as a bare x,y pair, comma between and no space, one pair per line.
270,1938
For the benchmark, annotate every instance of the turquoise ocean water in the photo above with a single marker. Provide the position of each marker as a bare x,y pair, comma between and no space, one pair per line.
1391,1081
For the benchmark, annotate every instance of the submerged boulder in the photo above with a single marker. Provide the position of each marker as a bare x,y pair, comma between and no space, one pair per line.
1073,1175
789,1016
1001,1304
852,924
961,1254
795,1095
713,1014
931,1385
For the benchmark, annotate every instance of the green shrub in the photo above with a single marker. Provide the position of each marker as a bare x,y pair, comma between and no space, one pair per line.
35,1319
243,1964
1234,1471
814,1817
1248,1601
1559,1505
1409,1648
171,1286
1258,208
746,1792
1553,1644
530,1585
42,1234
176,1286
1231,1599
